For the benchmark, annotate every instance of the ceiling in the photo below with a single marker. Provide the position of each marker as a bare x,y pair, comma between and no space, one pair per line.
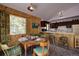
43,10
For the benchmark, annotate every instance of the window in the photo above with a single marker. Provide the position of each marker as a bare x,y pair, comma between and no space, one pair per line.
17,25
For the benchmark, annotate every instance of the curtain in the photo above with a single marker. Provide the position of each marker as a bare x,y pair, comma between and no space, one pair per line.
4,27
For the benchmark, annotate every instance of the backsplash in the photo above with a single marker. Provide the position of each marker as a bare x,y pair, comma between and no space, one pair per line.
61,29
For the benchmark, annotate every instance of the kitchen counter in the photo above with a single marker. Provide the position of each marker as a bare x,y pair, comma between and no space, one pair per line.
58,32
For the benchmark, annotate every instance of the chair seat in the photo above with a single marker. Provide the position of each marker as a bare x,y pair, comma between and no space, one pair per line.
38,51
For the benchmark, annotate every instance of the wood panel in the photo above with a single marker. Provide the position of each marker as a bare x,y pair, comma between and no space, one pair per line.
16,12
30,19
33,30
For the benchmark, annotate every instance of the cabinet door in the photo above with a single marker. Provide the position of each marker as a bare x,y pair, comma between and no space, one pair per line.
77,41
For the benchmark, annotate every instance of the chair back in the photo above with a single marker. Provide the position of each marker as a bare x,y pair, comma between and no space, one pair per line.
4,47
11,51
43,45
52,39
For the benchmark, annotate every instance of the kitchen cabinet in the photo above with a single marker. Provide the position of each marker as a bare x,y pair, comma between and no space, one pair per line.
76,41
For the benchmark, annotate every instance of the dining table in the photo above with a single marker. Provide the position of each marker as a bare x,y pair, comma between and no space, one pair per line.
29,43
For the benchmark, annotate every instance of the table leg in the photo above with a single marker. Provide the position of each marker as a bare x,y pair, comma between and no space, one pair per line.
33,53
25,50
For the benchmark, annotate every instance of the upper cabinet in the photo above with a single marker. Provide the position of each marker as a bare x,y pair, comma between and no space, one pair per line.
43,23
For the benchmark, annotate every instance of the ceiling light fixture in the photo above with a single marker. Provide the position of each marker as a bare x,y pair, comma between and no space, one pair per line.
60,14
31,7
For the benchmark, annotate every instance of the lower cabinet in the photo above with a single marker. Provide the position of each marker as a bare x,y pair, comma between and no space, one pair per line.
65,40
76,41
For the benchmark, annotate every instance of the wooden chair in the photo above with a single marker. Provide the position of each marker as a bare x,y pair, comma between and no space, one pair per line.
42,50
10,51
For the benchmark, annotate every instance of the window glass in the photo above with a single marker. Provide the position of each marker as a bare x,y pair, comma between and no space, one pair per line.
17,25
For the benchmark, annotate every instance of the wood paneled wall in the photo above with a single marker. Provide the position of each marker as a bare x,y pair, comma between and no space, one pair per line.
29,25
30,19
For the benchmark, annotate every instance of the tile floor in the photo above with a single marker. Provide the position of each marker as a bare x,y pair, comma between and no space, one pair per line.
58,51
